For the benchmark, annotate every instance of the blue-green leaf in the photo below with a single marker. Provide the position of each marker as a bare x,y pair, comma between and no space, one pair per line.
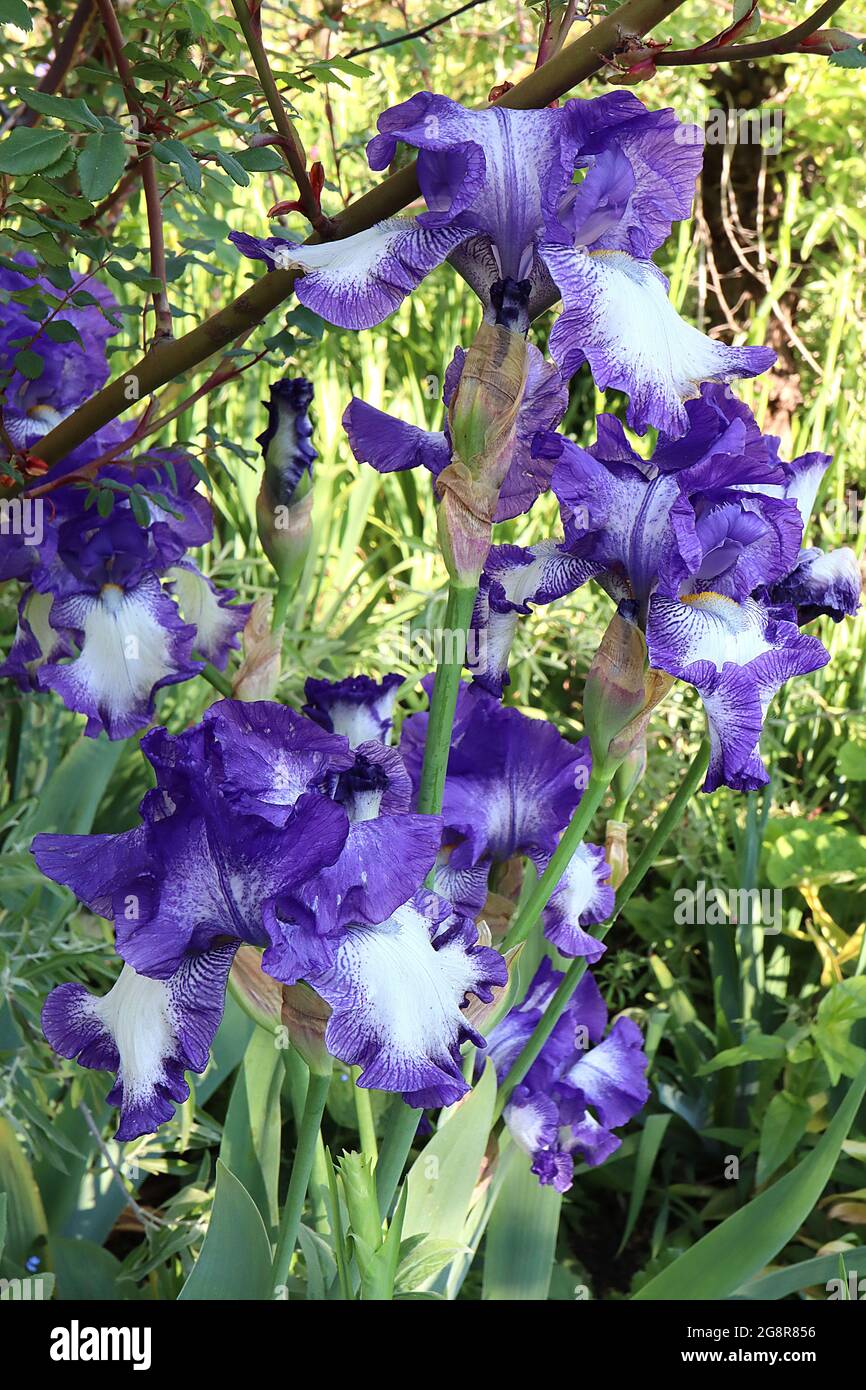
235,1258
738,1249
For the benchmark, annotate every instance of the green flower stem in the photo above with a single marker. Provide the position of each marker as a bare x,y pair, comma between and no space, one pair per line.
317,1093
573,975
458,615
364,1113
542,889
402,1122
399,1133
217,680
282,599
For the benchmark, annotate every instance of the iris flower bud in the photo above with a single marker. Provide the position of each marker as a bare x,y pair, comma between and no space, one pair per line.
258,995
305,1018
482,419
285,501
621,692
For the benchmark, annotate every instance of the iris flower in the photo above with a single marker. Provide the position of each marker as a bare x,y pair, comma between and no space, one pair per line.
700,547
391,445
531,207
580,1088
264,828
113,610
71,371
359,707
512,785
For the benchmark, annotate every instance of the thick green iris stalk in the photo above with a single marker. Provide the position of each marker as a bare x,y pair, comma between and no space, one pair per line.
458,615
403,1119
543,889
308,1135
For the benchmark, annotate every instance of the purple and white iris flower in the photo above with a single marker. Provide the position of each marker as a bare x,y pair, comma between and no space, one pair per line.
581,1087
71,371
513,578
512,786
700,546
359,707
391,445
531,207
254,815
113,610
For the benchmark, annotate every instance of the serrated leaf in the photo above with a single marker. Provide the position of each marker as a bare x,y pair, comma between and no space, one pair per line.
849,58
28,150
61,331
16,12
175,152
30,364
72,111
100,164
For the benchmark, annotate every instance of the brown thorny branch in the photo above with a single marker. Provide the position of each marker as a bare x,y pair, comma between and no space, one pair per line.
153,205
572,65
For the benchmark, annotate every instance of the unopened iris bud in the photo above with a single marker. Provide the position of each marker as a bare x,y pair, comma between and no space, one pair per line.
482,419
621,692
305,1017
259,996
285,501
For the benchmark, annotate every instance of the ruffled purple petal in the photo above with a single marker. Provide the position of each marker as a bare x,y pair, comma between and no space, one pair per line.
513,578
641,182
36,641
534,1125
582,897
358,707
132,643
149,1032
738,656
820,582
391,445
397,991
218,622
381,865
618,318
512,784
611,1076
358,281
270,756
